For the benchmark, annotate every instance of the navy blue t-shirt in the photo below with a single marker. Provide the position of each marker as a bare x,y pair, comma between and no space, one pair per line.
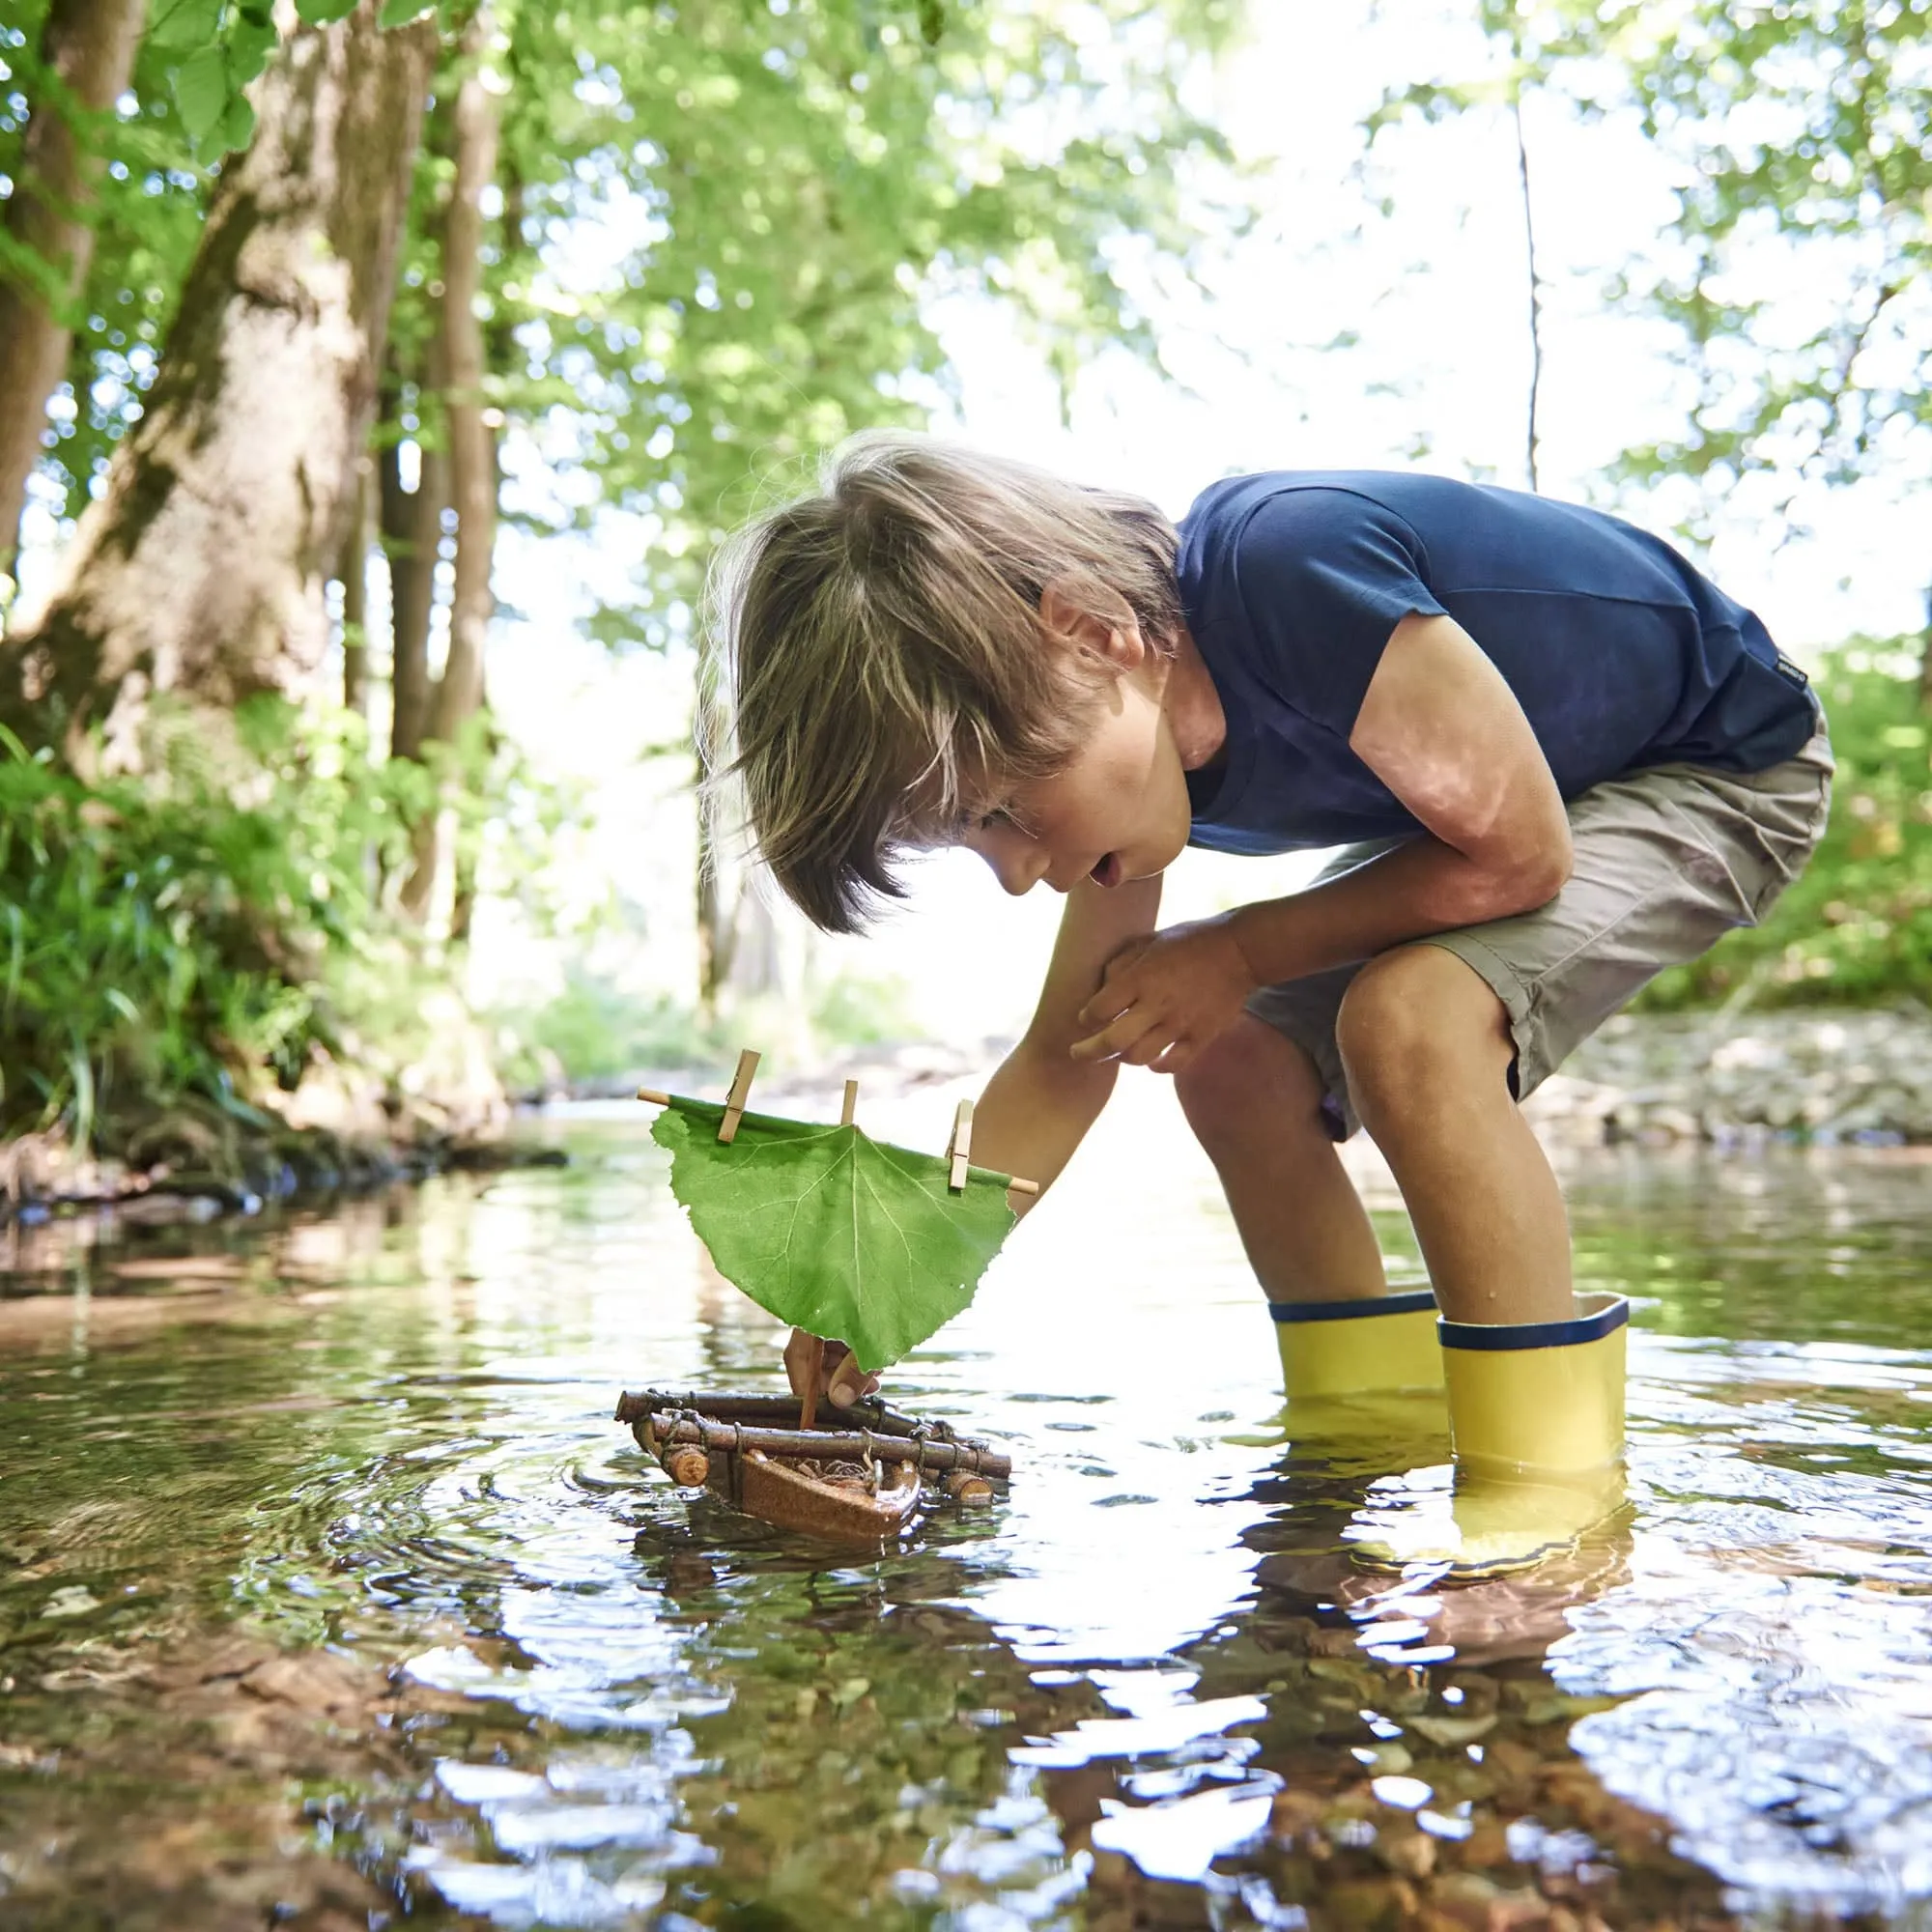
1620,654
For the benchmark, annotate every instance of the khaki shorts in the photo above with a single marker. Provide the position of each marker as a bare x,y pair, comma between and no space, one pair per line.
1668,861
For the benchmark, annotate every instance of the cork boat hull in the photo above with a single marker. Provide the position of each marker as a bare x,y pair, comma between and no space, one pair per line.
864,1481
774,1491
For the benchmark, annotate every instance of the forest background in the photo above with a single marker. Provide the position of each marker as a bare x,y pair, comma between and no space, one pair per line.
375,384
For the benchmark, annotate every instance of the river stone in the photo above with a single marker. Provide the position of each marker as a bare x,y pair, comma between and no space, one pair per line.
1740,1079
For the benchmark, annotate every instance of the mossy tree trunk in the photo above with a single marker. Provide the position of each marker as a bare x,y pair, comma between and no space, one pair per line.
87,56
200,573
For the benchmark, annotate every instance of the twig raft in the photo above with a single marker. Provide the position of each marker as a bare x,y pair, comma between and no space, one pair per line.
863,1483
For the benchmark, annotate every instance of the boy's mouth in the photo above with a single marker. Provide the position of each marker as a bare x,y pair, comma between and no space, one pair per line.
1109,872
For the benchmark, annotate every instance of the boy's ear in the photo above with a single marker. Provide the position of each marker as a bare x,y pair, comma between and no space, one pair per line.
1115,637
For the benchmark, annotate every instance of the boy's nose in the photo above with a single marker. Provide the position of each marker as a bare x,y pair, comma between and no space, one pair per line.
1019,863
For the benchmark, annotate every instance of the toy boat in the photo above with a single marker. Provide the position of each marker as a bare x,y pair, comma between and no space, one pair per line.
864,1481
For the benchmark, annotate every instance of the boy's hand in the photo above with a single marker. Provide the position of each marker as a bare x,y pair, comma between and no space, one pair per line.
845,1381
1164,998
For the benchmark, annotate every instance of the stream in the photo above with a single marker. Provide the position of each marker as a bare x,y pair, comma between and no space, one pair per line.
331,1596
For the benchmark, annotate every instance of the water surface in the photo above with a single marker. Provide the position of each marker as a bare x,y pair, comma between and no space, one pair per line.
331,1595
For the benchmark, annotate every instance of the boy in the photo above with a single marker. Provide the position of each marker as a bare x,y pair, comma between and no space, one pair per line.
1558,759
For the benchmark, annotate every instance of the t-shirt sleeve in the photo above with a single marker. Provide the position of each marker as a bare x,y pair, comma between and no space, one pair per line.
1325,575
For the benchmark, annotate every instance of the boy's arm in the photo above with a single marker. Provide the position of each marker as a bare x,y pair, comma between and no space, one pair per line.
1444,732
1038,1105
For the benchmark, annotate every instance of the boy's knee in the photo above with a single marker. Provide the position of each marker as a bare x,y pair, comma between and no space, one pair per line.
1416,1024
1249,1079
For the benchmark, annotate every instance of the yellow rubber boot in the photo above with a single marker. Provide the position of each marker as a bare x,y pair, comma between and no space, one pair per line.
1358,1348
1363,1380
1536,1418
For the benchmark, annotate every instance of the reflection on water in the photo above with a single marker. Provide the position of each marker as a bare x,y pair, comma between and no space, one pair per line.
331,1590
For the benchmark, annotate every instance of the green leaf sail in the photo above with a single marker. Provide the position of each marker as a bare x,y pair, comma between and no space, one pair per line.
831,1230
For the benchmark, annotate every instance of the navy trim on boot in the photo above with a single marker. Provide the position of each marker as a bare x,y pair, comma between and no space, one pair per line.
1407,1302
1496,1336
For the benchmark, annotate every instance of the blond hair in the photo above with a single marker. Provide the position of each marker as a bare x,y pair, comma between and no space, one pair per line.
890,673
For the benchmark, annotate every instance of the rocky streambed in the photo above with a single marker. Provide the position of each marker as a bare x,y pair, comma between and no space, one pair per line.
1826,1078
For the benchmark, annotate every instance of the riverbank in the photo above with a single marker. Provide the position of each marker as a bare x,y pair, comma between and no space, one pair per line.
196,1159
1823,1078
1734,1081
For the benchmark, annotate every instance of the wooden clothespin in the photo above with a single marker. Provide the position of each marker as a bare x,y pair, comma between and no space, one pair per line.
851,1105
959,1150
734,1101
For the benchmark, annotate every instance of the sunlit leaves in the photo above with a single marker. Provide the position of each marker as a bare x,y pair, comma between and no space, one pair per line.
184,26
722,225
203,91
230,45
1798,271
734,219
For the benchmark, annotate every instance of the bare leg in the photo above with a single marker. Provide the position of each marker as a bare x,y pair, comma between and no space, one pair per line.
1427,1046
1252,1101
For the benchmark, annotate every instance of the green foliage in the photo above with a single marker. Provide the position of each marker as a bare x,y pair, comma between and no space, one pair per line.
1803,134
721,224
864,1009
213,48
597,1030
149,200
831,1230
729,218
1857,924
1797,271
162,940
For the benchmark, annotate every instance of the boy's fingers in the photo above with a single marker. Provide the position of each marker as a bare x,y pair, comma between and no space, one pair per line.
849,1382
1150,1047
844,1381
1106,1006
1116,1038
801,1360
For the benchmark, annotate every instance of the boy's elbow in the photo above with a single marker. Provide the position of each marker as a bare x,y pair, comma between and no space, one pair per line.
1541,874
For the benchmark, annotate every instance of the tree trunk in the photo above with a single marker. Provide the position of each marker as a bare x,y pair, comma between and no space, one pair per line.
472,441
458,696
1530,424
200,571
88,48
709,730
1926,659
356,601
411,541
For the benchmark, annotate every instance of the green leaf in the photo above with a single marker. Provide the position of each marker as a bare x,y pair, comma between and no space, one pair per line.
320,12
201,93
185,24
250,41
400,13
831,1230
238,125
